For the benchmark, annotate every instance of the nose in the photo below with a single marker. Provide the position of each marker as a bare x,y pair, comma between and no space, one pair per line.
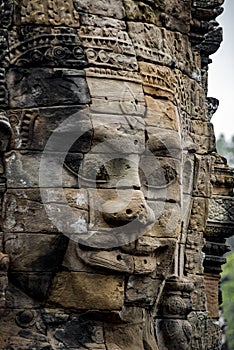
118,213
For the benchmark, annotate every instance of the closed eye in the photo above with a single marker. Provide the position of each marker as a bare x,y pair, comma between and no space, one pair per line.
160,178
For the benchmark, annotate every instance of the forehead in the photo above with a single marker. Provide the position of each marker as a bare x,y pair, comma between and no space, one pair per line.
138,70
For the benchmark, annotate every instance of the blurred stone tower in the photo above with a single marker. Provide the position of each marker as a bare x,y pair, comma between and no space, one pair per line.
115,205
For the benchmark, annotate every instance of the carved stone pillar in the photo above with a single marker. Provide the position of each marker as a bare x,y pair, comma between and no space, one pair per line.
174,331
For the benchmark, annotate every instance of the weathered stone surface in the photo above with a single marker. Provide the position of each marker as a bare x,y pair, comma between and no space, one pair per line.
6,13
4,51
41,217
174,16
111,170
19,330
163,248
70,128
160,113
99,35
48,12
79,290
129,96
118,134
5,135
111,8
198,295
33,285
163,143
157,80
221,209
161,46
194,257
222,177
167,219
16,298
32,88
72,260
22,170
212,292
45,47
203,135
3,88
112,260
78,332
199,214
117,217
35,252
160,178
110,188
202,181
142,290
117,338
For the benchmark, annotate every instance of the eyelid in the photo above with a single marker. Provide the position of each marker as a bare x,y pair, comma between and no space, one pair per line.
166,182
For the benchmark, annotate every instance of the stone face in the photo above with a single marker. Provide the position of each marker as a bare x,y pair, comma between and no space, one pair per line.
110,188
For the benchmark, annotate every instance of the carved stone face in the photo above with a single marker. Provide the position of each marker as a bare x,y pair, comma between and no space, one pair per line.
108,169
134,189
114,162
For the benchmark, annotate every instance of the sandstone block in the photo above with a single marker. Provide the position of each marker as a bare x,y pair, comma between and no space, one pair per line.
109,170
33,285
199,214
70,128
123,134
35,252
43,46
212,294
41,217
142,289
46,13
163,249
174,16
202,181
129,94
167,219
160,113
23,169
31,87
116,208
79,290
111,8
158,81
203,135
160,178
128,338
